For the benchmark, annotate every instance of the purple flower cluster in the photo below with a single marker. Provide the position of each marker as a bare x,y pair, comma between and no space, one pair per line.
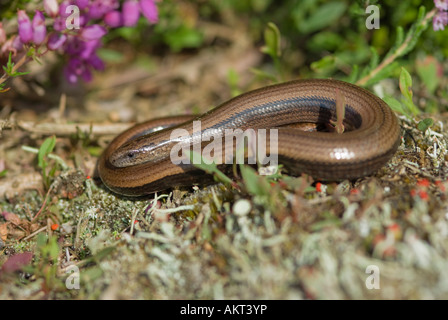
76,30
440,20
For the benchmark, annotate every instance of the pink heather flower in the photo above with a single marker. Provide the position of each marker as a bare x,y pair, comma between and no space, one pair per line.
149,10
56,40
25,29
74,46
86,74
93,32
80,48
63,9
98,8
73,69
51,7
2,34
77,68
113,19
130,13
83,19
440,20
441,4
89,47
82,4
39,29
77,47
7,47
59,24
12,45
96,62
17,44
82,55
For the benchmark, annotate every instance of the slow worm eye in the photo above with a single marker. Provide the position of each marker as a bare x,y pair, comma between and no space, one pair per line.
131,155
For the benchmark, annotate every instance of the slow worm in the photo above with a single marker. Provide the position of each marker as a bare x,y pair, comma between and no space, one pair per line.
137,162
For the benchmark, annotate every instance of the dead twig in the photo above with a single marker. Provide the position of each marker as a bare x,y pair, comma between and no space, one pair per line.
64,129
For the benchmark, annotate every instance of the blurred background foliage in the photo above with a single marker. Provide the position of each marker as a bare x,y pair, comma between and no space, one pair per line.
320,38
310,29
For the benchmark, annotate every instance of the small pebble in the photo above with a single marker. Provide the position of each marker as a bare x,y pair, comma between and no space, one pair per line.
242,207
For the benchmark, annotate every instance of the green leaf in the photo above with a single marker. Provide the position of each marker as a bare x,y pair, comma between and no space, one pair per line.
94,151
415,31
211,168
103,253
272,40
233,79
16,74
399,38
384,73
250,178
110,55
52,171
2,87
325,15
406,91
406,84
183,37
411,106
41,240
395,105
323,64
325,40
92,273
374,58
9,64
263,75
425,124
46,147
260,5
255,184
53,248
31,52
9,69
127,33
427,71
353,75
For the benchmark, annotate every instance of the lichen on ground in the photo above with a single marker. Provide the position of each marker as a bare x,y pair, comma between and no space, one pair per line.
296,240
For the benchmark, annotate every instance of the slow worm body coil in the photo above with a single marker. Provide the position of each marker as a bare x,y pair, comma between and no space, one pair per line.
127,166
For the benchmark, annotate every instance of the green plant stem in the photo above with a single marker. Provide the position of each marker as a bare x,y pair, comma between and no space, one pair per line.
396,54
17,65
59,160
